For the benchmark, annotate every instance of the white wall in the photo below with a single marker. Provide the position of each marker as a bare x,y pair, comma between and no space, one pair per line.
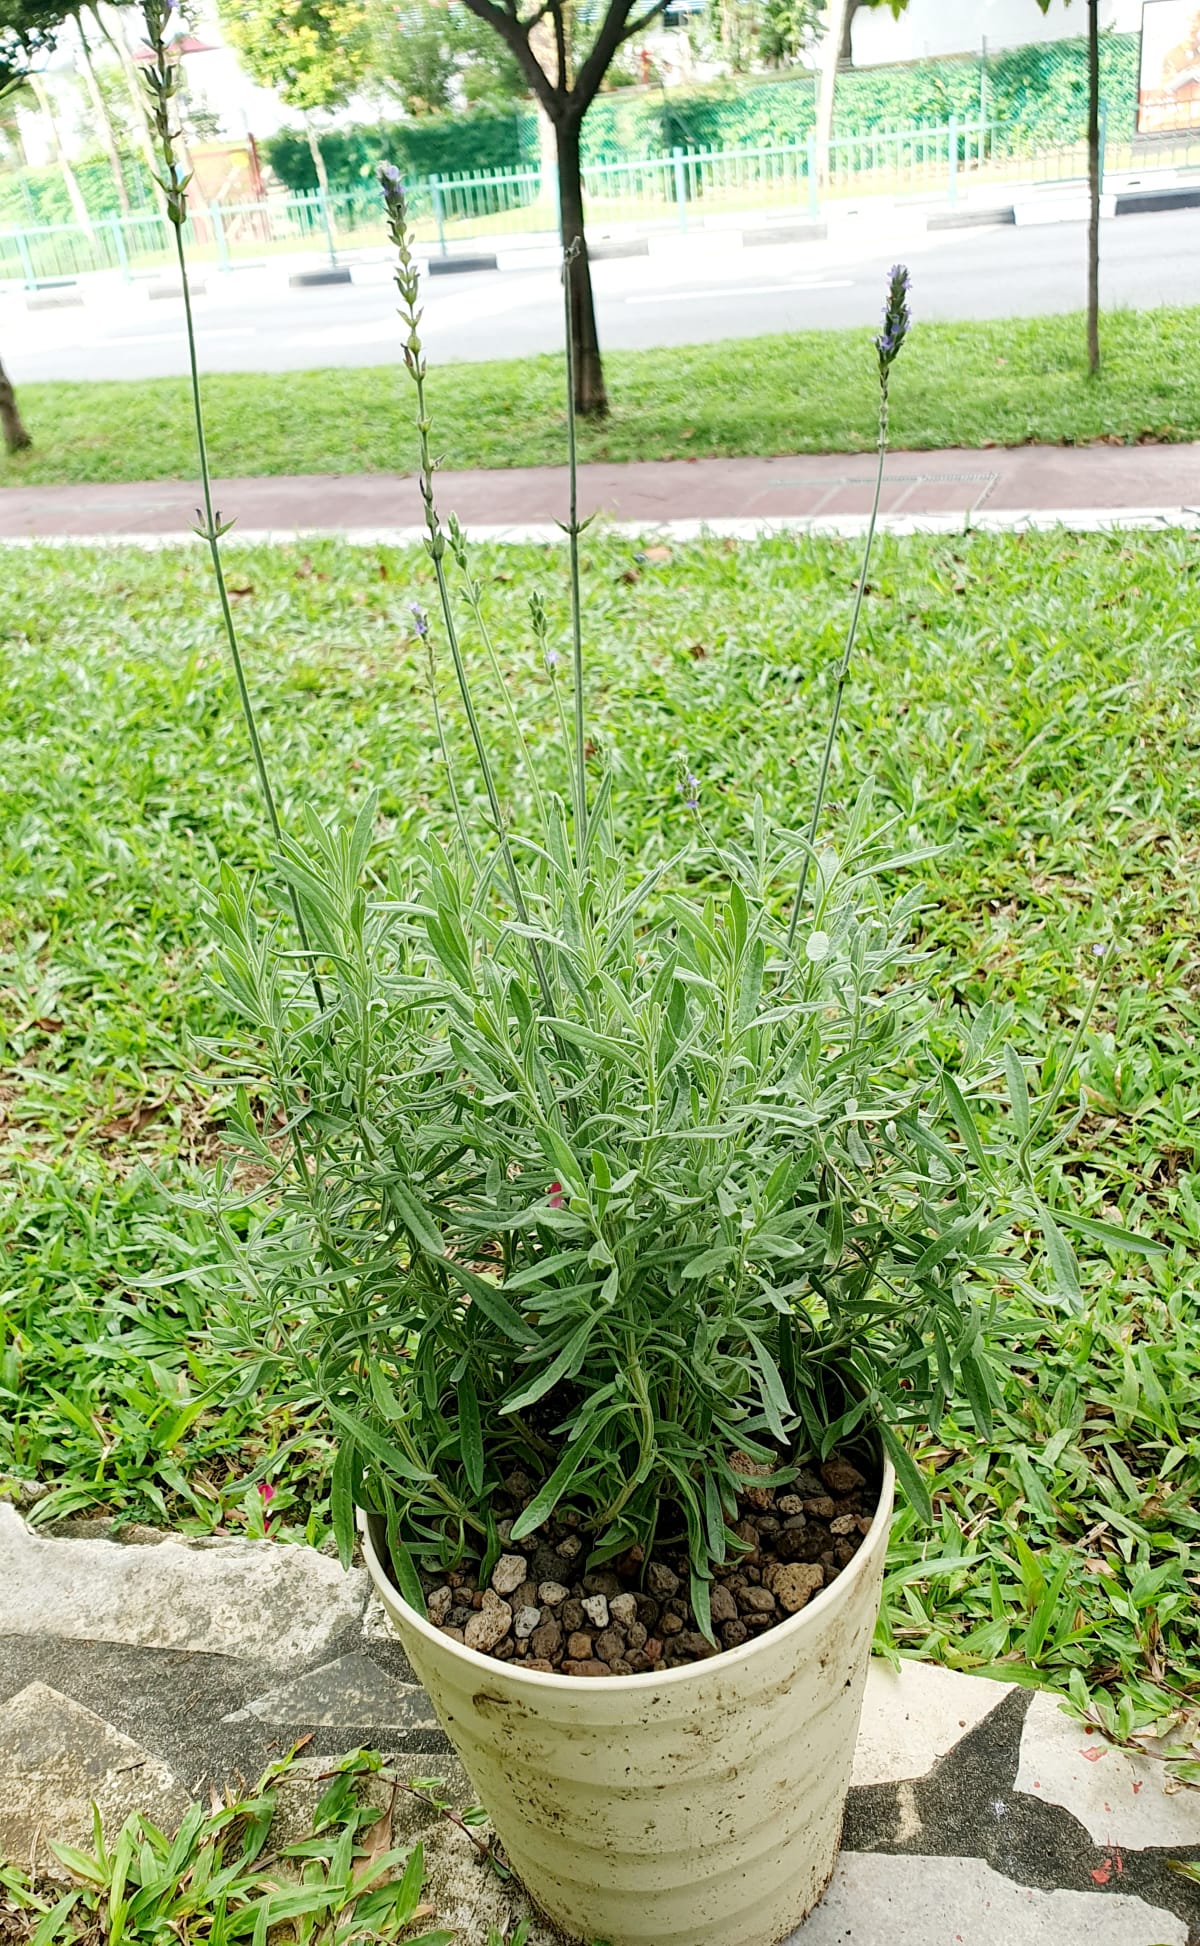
930,27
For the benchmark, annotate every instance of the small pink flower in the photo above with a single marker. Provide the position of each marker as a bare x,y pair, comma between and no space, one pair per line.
556,1195
267,1492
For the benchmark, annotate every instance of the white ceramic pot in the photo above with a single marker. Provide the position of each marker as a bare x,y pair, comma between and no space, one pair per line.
699,1807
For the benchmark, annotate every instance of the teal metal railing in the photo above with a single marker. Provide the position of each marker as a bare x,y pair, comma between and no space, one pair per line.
685,188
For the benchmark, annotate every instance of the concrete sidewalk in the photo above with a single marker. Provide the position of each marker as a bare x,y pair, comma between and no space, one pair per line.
1079,486
137,1675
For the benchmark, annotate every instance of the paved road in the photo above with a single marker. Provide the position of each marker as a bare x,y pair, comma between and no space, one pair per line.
710,287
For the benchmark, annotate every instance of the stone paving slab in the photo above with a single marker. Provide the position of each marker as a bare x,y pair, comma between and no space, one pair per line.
958,482
141,1675
925,1901
1115,1795
57,1759
352,1693
203,1596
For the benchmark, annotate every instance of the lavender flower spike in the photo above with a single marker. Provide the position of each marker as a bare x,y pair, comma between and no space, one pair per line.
391,182
420,620
689,785
896,320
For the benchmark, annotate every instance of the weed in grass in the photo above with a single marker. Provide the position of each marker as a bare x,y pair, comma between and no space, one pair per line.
217,1880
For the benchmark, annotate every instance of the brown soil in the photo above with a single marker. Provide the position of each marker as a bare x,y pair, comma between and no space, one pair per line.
544,1610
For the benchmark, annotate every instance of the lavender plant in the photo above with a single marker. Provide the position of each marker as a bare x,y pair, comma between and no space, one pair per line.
161,79
590,1178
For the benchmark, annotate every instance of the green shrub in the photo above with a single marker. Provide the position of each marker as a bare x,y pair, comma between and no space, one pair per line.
437,145
32,198
1038,93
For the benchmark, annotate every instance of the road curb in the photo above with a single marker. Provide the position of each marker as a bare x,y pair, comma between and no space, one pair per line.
1145,202
971,219
330,274
527,256
54,297
748,527
450,266
815,232
608,247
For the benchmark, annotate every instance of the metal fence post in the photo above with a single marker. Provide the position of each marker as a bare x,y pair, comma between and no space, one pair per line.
680,187
439,214
952,145
121,253
218,226
811,148
26,257
327,225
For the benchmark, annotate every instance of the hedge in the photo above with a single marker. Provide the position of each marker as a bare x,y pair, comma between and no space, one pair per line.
33,198
440,145
1038,93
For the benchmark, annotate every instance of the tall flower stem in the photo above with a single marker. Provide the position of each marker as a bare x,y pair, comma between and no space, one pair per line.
162,85
443,746
573,532
474,598
435,547
888,346
843,671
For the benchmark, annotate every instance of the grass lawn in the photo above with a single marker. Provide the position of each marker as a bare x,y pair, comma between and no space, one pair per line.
997,384
1027,703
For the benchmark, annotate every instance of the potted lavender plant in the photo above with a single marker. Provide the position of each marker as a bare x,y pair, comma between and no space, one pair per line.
624,1234
621,1236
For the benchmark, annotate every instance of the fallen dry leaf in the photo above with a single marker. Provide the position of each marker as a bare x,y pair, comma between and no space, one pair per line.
376,1844
132,1123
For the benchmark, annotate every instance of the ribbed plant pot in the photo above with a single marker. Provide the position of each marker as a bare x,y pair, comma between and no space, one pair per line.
699,1807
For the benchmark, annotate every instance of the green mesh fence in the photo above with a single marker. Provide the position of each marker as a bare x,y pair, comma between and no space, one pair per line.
1038,94
927,126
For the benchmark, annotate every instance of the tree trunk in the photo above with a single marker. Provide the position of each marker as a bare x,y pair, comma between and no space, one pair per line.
846,52
137,94
108,136
541,40
12,426
318,160
1093,143
70,181
591,399
831,48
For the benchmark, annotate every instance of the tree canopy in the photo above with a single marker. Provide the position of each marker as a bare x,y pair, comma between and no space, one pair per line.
313,52
28,30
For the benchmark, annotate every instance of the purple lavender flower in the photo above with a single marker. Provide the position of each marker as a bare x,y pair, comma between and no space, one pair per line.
551,658
896,320
391,182
420,619
689,784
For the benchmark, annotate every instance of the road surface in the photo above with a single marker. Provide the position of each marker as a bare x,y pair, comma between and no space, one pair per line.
708,287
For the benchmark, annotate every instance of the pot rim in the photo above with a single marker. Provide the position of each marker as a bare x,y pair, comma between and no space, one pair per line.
875,1536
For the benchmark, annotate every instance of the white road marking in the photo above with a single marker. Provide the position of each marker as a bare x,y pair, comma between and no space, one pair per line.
746,290
203,334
